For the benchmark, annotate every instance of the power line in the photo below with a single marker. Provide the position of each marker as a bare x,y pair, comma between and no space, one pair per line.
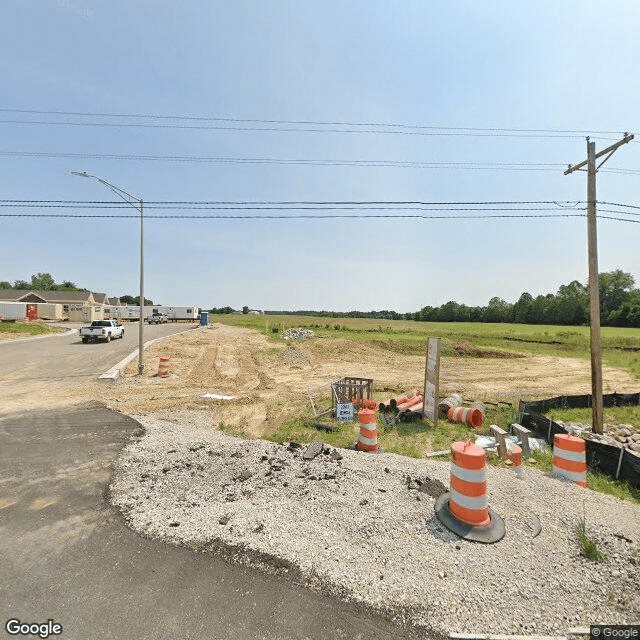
305,206
308,202
581,132
618,204
309,129
290,216
504,166
617,219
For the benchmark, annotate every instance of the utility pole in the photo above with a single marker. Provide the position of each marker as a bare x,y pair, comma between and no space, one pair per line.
594,292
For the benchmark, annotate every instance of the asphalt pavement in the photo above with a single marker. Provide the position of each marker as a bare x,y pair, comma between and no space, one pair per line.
65,356
67,555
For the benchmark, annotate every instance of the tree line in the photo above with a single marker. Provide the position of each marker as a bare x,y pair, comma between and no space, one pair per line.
46,282
619,307
41,282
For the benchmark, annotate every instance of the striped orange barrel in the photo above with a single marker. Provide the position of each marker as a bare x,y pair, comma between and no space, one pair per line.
472,417
569,458
164,367
516,458
468,500
368,436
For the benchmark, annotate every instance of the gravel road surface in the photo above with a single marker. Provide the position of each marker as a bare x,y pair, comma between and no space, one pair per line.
350,524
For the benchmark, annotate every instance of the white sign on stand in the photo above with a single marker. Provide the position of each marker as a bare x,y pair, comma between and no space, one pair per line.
344,412
432,380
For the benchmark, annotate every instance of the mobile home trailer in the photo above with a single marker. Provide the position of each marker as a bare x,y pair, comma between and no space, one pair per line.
13,310
178,313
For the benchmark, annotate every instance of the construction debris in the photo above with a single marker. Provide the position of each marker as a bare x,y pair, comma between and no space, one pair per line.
324,427
217,396
298,333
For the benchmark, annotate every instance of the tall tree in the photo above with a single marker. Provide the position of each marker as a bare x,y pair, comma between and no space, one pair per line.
522,308
614,288
572,304
43,282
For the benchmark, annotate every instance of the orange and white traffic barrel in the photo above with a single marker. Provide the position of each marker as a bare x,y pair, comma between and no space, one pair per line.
465,509
569,458
516,458
368,436
472,417
164,367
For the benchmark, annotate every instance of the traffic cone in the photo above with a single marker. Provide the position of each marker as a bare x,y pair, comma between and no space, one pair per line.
164,367
465,509
569,458
368,436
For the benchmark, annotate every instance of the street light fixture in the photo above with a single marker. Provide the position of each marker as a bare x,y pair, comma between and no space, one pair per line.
121,193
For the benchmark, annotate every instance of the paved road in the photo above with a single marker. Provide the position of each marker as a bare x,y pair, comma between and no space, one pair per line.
66,554
65,357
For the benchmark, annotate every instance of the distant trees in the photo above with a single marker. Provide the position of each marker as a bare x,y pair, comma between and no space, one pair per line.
135,301
223,310
619,306
245,310
615,288
41,282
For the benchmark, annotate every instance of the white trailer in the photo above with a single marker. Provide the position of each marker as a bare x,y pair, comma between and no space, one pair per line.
13,310
133,312
178,313
173,313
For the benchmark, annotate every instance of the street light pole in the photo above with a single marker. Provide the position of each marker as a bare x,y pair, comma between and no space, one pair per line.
141,326
119,192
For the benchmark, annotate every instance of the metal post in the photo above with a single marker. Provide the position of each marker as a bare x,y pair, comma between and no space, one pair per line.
141,327
594,292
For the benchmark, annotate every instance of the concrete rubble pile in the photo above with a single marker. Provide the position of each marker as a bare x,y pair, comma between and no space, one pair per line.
298,333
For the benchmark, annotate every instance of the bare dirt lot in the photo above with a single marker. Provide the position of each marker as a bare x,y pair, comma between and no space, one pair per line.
270,380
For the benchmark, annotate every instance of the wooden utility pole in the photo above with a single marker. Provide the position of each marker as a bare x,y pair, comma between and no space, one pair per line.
594,292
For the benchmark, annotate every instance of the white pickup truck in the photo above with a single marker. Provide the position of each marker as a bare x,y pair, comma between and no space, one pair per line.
158,318
102,330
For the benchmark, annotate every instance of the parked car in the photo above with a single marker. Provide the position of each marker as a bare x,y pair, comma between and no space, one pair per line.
103,330
158,318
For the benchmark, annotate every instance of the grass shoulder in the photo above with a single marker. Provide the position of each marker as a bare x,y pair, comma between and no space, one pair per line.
20,329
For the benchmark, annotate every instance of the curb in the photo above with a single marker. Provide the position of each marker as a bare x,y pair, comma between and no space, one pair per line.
48,335
115,371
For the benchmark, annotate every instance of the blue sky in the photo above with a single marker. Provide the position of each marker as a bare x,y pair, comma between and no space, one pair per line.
507,65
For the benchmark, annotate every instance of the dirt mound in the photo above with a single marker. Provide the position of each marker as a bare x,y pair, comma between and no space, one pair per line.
465,348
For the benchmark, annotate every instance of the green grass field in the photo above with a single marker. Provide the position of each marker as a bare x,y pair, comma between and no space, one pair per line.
620,346
33,329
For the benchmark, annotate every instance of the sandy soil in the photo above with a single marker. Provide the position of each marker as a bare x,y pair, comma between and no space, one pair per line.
270,382
14,336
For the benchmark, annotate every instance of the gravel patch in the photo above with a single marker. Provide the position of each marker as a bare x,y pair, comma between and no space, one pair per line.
362,527
298,333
